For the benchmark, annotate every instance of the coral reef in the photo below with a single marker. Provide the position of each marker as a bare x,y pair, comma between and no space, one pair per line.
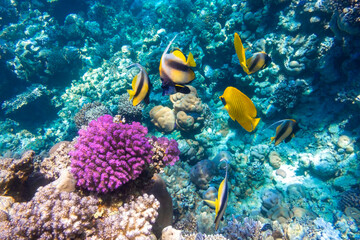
109,154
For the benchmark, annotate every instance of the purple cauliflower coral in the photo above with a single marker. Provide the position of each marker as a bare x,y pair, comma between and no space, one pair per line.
169,148
109,154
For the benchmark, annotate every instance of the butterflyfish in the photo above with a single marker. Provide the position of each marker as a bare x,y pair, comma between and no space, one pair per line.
258,61
285,131
240,108
175,70
221,201
140,86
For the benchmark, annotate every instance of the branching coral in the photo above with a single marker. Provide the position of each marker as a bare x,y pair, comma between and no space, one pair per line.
128,111
109,154
245,229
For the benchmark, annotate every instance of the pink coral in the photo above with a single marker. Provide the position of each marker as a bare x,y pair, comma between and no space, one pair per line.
109,154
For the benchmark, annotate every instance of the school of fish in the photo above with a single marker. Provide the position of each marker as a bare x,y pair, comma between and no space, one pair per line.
176,71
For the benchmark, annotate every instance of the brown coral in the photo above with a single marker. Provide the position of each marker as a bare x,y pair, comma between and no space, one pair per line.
14,172
58,161
163,118
184,121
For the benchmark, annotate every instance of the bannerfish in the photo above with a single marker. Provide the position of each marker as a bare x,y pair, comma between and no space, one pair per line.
240,108
140,86
221,201
175,71
285,131
258,61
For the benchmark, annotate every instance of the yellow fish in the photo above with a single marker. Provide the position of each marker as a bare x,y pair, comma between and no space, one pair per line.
285,131
240,108
140,86
221,201
175,70
258,61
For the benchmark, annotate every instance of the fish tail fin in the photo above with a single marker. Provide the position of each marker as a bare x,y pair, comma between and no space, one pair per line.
240,52
211,203
255,122
190,61
131,93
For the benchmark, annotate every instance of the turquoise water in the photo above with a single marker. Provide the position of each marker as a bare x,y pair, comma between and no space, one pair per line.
65,63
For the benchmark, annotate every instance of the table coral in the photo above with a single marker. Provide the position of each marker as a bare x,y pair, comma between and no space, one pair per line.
109,154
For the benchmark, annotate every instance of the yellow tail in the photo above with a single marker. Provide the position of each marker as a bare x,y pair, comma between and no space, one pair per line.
190,61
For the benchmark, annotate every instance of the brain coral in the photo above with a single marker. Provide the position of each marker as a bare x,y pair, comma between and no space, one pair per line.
109,154
163,118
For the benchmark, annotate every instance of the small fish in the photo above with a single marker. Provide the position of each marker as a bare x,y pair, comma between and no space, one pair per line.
240,108
285,131
175,71
140,86
258,61
221,201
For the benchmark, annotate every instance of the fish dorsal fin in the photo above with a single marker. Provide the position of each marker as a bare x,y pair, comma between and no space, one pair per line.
240,52
168,46
190,61
177,53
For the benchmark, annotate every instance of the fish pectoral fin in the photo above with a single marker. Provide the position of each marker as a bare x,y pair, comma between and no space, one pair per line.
131,93
272,139
210,203
190,61
240,52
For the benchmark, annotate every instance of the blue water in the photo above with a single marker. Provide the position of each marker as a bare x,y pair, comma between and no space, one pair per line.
59,57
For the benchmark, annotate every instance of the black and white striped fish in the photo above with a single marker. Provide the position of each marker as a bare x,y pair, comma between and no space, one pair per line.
221,201
175,71
140,86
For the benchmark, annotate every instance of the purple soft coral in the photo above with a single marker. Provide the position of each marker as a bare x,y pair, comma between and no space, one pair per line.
109,154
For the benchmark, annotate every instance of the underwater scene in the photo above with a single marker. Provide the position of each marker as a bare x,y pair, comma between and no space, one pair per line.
180,119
